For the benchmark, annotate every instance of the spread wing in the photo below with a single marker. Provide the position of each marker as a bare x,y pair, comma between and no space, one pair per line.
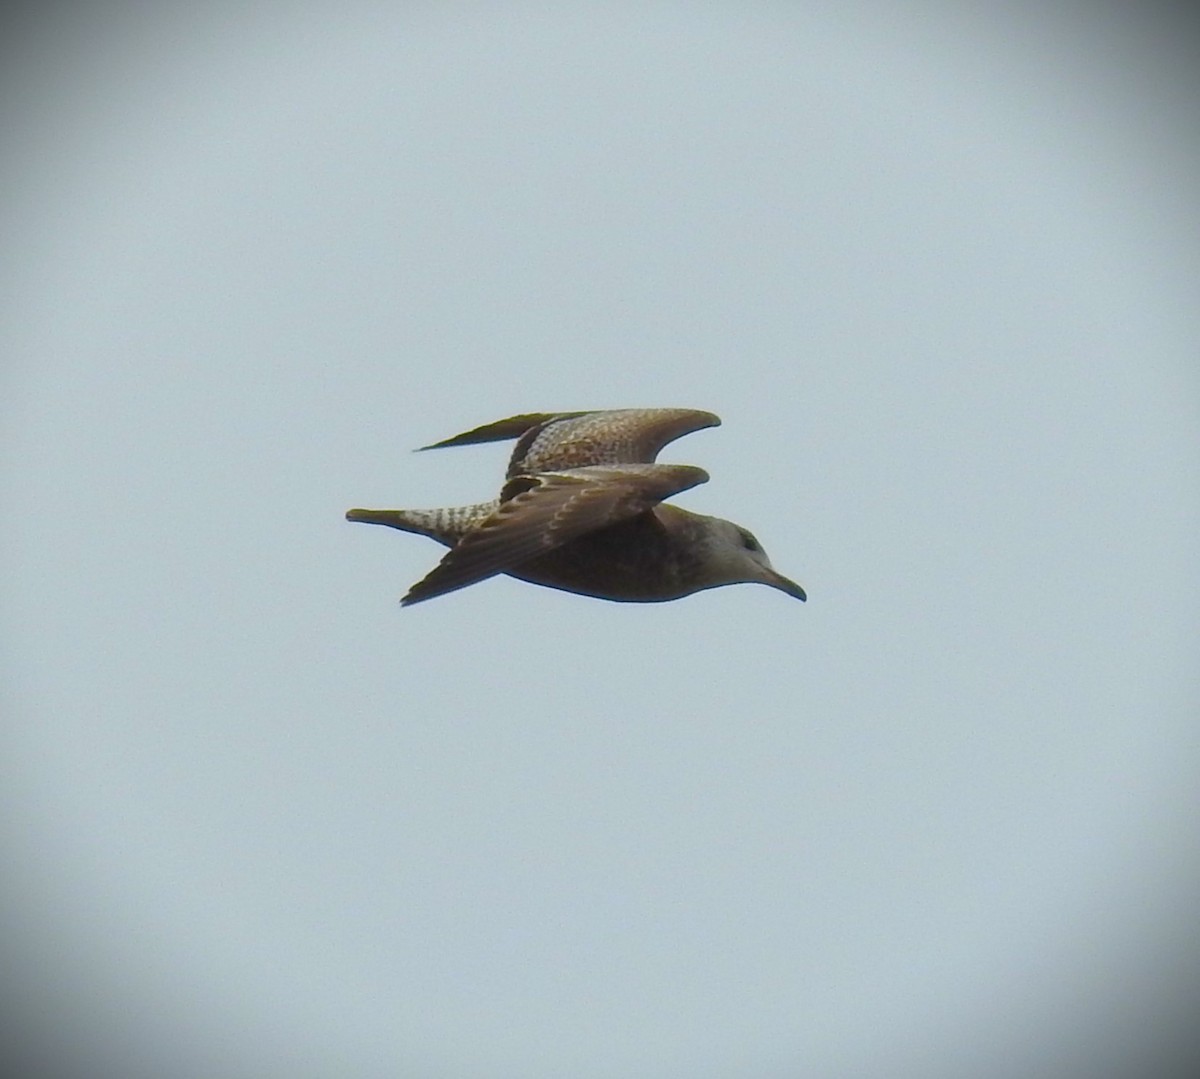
543,511
555,441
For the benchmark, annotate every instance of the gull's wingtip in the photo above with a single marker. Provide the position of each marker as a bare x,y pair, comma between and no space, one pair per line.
499,430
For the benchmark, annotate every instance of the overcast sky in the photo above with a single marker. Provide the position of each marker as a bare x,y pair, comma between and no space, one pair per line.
936,266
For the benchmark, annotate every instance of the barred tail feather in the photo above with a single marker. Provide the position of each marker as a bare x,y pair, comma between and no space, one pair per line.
444,525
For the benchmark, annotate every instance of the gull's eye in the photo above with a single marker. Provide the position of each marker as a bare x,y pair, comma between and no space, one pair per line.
748,541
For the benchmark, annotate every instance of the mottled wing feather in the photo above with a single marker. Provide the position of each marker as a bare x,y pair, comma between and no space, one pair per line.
557,508
612,437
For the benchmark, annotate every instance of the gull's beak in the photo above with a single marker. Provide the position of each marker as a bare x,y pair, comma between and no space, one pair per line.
778,580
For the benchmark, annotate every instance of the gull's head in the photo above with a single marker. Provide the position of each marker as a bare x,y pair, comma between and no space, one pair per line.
736,557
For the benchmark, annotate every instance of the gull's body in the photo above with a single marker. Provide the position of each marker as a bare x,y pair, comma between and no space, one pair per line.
582,509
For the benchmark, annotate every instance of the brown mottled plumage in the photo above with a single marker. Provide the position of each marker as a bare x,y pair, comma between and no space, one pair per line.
582,509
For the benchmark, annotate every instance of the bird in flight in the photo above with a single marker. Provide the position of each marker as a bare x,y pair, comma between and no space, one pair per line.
583,509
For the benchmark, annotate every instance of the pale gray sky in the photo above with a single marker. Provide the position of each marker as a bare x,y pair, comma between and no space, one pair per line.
937,266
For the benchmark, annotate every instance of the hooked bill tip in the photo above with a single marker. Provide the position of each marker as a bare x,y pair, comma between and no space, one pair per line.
790,587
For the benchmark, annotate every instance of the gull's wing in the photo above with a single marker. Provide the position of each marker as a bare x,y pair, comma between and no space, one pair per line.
554,441
543,511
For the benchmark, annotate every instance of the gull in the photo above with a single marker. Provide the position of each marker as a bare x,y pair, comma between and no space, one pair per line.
583,509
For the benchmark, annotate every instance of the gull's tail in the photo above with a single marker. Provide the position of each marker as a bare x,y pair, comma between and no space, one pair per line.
446,526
